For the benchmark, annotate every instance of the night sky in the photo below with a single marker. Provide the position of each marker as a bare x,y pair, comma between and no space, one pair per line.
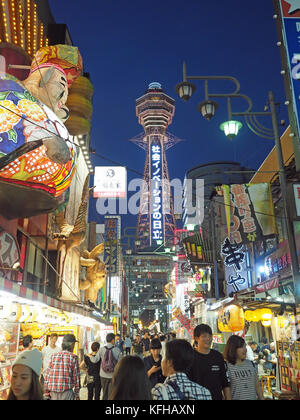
128,44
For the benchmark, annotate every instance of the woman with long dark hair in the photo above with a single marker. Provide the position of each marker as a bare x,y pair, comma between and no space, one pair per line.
130,380
25,384
244,383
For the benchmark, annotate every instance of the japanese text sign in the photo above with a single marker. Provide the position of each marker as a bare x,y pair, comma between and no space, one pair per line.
157,219
249,212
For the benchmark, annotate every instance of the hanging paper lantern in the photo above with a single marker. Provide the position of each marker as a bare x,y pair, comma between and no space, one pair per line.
79,105
83,86
37,156
30,177
231,319
256,316
249,316
266,323
78,126
266,314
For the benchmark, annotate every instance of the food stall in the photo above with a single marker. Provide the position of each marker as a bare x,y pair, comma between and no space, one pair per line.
20,316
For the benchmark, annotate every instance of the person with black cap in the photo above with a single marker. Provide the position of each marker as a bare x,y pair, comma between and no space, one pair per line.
62,377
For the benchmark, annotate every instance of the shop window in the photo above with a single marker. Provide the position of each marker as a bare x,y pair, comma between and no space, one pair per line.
35,267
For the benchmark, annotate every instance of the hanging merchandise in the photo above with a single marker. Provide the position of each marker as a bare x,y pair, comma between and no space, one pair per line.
231,318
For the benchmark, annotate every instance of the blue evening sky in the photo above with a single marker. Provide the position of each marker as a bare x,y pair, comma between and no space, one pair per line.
126,44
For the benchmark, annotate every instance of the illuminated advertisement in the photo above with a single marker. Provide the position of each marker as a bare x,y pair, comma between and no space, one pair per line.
290,15
156,191
110,182
112,248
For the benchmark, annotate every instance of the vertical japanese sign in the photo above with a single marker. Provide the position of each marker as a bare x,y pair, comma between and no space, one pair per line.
235,264
249,212
157,220
296,188
185,322
249,217
112,248
290,28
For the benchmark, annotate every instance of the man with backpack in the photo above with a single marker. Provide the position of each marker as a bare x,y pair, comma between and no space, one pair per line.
109,355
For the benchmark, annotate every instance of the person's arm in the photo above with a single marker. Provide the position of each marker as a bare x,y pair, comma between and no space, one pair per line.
120,355
76,378
225,381
258,389
46,379
83,366
152,370
95,358
227,393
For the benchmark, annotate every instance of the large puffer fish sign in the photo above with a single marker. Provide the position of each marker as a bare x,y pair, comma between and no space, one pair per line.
37,157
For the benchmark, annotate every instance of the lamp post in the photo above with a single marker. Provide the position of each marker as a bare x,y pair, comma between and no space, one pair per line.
185,90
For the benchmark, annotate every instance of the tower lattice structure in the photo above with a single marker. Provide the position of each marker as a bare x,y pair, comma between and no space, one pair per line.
156,220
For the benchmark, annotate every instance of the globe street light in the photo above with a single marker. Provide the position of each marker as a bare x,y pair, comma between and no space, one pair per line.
260,130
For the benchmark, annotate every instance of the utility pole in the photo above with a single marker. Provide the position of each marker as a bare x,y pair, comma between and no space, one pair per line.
285,199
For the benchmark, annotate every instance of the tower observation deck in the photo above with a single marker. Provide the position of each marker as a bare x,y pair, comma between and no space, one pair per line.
156,221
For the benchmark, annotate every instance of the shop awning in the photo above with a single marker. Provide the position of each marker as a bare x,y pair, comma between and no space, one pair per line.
26,293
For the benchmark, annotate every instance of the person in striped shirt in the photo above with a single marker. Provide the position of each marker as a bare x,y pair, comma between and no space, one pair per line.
62,377
177,386
244,383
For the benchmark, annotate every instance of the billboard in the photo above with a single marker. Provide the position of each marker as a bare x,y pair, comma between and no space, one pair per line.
157,220
110,182
249,212
112,248
288,29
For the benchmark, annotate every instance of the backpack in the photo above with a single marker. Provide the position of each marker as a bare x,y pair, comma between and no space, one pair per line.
108,362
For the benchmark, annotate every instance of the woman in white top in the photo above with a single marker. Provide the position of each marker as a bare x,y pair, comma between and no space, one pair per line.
244,383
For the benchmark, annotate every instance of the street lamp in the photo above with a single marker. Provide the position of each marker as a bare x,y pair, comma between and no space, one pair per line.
261,131
208,109
231,128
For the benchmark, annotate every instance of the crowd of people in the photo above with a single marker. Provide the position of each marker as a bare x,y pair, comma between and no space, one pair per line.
158,367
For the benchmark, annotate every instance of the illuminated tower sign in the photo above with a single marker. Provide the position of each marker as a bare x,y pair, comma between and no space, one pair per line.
156,221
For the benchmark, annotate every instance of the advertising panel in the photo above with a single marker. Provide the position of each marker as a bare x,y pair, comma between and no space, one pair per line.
249,212
157,220
110,182
290,17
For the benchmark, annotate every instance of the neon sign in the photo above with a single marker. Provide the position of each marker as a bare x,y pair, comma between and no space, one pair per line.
156,192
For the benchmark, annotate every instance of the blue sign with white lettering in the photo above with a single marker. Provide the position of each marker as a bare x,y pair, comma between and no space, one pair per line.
291,35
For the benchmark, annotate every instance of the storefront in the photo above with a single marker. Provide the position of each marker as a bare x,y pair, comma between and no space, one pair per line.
24,311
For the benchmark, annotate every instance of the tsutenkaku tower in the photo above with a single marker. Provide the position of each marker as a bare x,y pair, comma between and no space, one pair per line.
156,221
